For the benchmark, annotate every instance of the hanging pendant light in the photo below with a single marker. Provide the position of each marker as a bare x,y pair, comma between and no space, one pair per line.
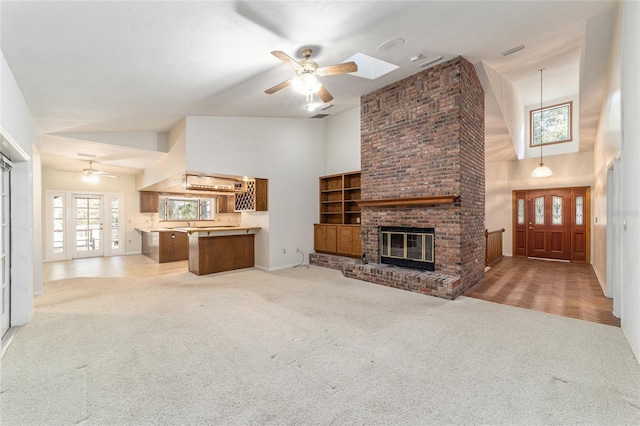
541,171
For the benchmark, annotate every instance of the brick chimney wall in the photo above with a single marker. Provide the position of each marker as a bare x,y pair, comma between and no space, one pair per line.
424,136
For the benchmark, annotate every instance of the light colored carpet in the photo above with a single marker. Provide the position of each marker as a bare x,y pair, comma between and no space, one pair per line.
305,346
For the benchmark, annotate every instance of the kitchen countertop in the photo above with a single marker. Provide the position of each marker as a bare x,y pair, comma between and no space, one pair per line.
207,229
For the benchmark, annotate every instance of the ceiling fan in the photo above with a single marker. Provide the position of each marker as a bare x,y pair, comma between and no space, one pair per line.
307,73
91,174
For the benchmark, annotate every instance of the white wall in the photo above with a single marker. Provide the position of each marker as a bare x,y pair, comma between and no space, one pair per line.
568,170
511,107
558,148
631,173
171,164
18,129
496,197
290,153
605,149
343,142
62,181
37,221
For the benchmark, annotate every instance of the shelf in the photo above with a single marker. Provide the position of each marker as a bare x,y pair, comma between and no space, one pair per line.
339,195
410,201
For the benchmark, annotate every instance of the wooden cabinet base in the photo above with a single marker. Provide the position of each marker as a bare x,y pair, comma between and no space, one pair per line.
343,240
165,246
208,255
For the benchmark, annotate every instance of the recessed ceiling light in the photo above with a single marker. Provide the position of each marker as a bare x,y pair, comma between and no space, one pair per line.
514,50
389,45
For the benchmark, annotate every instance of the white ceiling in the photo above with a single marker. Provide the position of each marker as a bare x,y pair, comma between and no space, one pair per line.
140,66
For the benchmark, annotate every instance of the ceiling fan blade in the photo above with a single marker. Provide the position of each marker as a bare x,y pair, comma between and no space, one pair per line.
287,60
345,68
325,95
110,176
277,87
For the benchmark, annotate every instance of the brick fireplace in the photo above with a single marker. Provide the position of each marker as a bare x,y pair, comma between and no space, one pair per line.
422,158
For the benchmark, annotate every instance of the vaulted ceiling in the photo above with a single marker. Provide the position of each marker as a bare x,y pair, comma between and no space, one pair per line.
94,72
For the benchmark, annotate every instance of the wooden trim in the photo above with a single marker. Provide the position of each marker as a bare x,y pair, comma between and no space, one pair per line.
410,201
493,246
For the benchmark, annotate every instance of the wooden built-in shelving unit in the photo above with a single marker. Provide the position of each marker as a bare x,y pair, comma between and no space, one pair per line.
339,229
339,196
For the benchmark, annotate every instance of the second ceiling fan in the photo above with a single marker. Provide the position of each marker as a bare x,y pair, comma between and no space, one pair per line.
307,72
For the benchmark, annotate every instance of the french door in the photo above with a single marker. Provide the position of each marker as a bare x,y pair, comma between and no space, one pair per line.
552,223
82,225
5,244
88,226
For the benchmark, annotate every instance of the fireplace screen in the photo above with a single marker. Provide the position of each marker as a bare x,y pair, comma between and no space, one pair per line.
408,247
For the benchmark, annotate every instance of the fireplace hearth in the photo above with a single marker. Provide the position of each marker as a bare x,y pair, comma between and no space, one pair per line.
408,247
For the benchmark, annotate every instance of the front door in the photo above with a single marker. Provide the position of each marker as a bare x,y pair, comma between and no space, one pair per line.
552,223
549,225
89,241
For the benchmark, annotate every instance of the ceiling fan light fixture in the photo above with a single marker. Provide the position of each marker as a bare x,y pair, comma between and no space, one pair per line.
307,84
90,178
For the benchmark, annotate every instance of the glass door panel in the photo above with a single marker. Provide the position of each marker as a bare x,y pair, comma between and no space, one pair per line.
88,226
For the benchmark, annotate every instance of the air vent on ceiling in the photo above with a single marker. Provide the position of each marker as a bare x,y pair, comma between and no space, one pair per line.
320,116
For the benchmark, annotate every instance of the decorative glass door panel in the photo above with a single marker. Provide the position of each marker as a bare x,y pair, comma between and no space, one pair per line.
88,226
549,229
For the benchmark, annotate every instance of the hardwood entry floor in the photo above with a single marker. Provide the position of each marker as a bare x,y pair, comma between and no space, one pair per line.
567,289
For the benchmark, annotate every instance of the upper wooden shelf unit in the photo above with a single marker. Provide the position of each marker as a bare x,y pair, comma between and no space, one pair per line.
339,196
409,201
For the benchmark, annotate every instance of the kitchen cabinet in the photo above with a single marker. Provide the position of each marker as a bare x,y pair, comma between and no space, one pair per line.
256,197
165,246
149,202
226,204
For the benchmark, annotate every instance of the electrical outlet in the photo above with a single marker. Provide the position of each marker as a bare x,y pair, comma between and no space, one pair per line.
284,251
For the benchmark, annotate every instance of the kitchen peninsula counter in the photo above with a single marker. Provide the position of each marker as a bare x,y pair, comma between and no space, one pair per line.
220,248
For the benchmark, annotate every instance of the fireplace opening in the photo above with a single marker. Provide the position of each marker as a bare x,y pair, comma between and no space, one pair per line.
408,247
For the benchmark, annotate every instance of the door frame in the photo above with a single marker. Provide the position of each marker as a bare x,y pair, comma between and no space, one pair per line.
520,239
69,225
